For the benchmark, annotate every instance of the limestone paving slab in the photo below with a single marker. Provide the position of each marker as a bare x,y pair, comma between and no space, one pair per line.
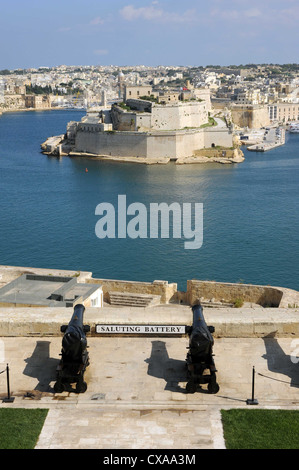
136,389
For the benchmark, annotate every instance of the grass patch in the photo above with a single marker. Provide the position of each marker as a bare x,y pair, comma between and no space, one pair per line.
238,303
20,427
260,429
211,123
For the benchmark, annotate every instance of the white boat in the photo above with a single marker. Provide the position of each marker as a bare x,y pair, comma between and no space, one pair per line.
294,128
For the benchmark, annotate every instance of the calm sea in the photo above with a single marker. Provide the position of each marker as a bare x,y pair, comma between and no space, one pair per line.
47,209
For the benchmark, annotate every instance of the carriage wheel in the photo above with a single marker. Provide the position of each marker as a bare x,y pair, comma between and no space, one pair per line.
191,387
58,387
213,387
81,387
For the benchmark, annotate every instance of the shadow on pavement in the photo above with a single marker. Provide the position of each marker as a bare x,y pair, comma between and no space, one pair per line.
41,366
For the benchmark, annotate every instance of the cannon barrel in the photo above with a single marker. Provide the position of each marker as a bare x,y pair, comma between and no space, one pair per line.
199,323
201,339
198,317
74,340
74,355
77,317
200,355
76,322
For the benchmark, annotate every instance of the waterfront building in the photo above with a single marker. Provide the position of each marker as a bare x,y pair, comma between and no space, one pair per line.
37,101
284,112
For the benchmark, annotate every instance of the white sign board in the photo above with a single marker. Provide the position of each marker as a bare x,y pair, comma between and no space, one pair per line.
141,329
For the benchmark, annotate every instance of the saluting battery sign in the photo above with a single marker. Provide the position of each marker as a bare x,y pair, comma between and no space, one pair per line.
141,329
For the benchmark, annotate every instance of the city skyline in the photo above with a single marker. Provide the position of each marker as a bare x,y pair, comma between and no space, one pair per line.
164,32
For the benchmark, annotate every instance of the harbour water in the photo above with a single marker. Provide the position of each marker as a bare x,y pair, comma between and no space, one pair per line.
47,210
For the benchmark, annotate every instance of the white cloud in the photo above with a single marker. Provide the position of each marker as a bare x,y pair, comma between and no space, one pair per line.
225,14
131,13
152,13
64,29
101,52
252,13
235,14
97,20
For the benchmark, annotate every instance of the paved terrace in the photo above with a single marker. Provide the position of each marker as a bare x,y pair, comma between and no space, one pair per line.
136,385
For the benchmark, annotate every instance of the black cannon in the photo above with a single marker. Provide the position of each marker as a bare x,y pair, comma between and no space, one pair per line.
74,354
200,355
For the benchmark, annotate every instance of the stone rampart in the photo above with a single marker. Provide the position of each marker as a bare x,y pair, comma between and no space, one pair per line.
266,296
217,136
154,144
114,143
179,115
174,309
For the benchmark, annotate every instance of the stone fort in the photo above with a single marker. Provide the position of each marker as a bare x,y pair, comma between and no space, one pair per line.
150,127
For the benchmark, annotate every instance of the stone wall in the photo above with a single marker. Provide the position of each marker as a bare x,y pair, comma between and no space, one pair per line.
253,117
154,144
179,115
174,116
217,136
267,296
122,144
161,288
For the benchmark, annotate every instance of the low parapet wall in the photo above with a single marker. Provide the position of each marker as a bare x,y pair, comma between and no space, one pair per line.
266,296
228,323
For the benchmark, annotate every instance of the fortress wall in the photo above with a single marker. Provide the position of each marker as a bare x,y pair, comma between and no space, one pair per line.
143,122
187,143
172,144
203,94
161,145
173,116
217,136
123,120
138,144
124,144
179,115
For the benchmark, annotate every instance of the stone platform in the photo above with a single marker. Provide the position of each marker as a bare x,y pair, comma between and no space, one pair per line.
136,395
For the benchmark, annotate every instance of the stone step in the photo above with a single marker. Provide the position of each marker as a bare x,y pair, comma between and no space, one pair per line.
132,299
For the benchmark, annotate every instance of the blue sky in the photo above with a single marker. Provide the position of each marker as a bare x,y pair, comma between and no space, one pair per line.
161,32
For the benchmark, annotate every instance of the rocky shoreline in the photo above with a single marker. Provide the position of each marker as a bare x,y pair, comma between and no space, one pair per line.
233,156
